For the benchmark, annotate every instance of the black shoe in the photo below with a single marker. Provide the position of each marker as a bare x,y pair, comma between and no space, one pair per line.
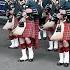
44,38
59,64
50,50
30,60
22,60
66,64
13,48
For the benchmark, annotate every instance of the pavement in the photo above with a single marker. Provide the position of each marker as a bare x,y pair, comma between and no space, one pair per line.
43,59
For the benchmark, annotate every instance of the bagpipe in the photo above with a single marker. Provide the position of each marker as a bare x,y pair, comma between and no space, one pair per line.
58,33
9,25
46,19
49,22
59,30
16,26
25,12
64,13
19,29
10,15
30,8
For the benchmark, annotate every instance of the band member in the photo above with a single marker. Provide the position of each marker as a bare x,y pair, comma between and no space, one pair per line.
64,45
41,21
10,7
29,38
53,45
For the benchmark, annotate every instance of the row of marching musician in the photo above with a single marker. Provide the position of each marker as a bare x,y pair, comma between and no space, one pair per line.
28,18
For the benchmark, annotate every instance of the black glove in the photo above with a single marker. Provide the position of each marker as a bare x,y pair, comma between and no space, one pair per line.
21,24
58,29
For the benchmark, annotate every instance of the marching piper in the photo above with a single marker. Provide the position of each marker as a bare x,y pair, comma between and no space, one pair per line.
49,9
64,44
29,38
10,7
42,19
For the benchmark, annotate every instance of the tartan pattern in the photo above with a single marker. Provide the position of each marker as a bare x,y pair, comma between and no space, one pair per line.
29,30
66,34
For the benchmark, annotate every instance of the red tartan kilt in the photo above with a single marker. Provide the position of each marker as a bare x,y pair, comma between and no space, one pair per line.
29,30
66,34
